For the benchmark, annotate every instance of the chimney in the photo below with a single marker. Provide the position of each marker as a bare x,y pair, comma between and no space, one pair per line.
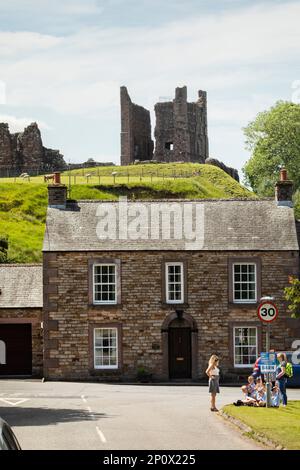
284,190
57,193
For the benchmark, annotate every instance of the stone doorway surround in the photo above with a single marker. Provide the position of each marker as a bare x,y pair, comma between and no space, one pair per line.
187,321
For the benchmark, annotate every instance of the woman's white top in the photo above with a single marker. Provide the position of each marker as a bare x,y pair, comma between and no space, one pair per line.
215,372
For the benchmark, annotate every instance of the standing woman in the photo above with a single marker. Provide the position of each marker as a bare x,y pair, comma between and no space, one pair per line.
281,377
213,373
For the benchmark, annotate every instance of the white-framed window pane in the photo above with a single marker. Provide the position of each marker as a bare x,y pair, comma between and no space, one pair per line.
245,346
174,282
106,348
244,282
105,284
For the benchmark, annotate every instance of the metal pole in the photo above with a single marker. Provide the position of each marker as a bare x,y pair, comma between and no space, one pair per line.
268,384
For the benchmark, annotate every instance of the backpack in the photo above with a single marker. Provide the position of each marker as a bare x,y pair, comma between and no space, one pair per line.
289,370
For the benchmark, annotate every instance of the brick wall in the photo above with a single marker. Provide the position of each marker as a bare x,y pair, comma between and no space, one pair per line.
33,316
68,317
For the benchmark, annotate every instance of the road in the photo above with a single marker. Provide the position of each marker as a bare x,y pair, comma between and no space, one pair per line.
87,416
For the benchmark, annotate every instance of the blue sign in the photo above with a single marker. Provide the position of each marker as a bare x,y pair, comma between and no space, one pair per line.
268,359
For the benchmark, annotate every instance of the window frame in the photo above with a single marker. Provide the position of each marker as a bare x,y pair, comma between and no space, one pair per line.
106,367
246,260
244,301
182,282
91,285
235,327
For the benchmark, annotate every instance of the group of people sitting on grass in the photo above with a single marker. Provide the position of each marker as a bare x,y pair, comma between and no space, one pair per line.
255,393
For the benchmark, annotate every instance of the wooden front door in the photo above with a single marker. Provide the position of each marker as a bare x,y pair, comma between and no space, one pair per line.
180,353
16,342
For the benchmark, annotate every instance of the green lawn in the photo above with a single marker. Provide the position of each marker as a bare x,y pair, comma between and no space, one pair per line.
281,425
23,203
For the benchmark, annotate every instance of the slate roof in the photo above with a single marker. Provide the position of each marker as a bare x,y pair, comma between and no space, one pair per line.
21,285
223,225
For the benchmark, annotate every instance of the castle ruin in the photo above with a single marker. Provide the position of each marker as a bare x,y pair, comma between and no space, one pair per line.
180,132
181,129
24,152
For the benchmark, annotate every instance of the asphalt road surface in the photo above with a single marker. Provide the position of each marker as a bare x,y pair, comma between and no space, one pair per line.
90,416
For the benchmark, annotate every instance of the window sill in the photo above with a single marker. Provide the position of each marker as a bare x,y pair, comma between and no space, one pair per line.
100,372
242,367
104,306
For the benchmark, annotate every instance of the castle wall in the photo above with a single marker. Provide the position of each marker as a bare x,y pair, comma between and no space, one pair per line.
181,129
24,152
136,142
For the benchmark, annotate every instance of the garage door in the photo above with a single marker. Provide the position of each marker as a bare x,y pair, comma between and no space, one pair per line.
15,349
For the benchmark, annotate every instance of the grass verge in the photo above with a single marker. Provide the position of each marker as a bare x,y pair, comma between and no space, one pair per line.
280,426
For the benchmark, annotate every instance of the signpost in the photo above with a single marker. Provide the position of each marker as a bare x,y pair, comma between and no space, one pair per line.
267,312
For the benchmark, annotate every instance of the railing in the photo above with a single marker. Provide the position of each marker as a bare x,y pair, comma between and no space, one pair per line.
99,176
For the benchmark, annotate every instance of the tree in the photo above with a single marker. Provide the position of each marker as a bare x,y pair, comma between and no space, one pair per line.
274,141
292,295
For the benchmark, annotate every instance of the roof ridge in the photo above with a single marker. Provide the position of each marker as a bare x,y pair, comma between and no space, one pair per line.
172,200
21,265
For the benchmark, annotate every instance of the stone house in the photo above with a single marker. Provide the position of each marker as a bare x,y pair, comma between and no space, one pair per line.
126,287
21,309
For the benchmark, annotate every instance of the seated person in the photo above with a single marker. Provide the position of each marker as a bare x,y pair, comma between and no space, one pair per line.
275,397
261,397
259,384
248,392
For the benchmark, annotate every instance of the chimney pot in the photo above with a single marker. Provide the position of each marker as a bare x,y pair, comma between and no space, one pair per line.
56,177
284,190
283,174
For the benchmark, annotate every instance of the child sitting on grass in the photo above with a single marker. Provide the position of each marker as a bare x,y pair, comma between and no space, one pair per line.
275,398
249,393
261,396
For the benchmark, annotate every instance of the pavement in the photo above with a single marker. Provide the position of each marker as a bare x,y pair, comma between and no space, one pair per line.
97,416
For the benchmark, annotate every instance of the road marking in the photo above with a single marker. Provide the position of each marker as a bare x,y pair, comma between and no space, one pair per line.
15,403
101,435
98,430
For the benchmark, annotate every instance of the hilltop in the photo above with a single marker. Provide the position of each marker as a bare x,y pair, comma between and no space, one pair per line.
23,203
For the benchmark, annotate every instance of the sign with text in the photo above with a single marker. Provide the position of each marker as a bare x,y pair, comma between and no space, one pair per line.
267,312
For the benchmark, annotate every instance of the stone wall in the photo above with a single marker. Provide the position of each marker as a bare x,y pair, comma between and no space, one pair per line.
24,152
68,317
136,142
33,316
229,170
181,129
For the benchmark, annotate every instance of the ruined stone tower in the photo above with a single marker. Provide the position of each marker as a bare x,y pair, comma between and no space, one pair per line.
24,152
180,132
136,142
181,129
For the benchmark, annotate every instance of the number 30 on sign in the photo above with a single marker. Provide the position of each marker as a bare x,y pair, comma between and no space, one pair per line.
267,311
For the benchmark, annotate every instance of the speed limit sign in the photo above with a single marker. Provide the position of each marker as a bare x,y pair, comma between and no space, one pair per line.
267,311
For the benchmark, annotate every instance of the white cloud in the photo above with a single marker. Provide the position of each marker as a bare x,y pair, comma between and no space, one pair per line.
20,43
230,54
17,124
82,73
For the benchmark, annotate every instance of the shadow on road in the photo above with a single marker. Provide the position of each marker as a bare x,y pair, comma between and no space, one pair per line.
46,416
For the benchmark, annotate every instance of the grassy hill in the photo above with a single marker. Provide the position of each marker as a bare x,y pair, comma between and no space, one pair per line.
23,203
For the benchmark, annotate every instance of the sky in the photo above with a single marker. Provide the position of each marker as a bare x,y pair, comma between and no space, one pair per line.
62,63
